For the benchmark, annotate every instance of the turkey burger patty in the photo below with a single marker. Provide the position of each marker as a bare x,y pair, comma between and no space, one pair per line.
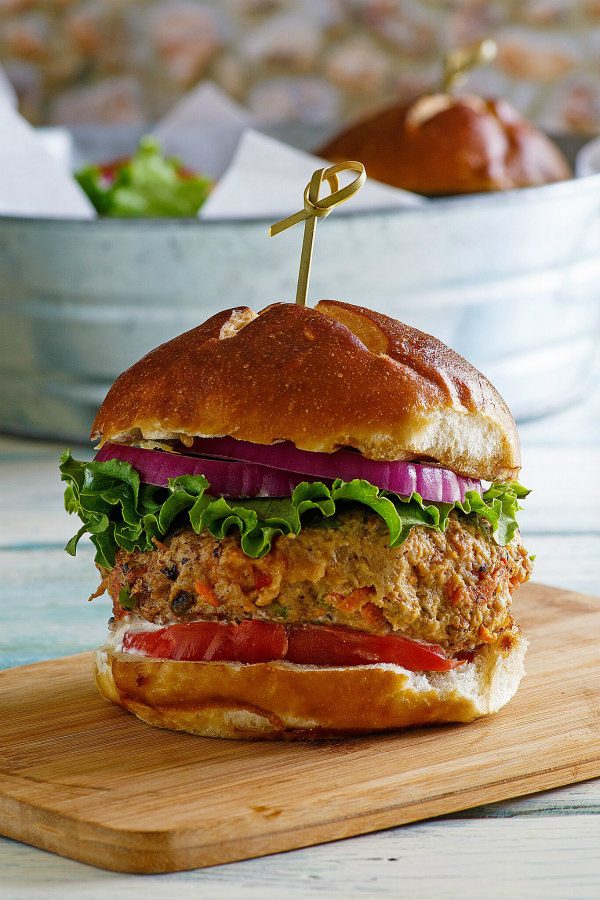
453,588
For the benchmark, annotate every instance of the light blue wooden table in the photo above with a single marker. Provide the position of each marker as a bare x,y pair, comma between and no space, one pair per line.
546,846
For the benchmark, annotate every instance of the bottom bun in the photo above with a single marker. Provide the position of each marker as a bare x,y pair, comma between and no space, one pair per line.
281,700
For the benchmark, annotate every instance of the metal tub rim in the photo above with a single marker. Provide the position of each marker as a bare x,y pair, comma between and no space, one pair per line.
573,187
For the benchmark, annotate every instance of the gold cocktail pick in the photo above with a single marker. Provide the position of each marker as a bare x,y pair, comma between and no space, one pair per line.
315,208
458,62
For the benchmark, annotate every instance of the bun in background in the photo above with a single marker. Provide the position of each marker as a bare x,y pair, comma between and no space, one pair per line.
443,145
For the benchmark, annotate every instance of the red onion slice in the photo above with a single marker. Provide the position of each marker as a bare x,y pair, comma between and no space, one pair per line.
256,470
431,482
226,478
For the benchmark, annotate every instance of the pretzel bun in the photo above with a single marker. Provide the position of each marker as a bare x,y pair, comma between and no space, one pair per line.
329,377
284,701
441,145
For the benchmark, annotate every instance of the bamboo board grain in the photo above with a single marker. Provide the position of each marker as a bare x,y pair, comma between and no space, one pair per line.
82,778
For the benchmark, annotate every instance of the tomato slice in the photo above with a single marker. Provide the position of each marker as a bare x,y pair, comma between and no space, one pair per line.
333,645
312,645
248,642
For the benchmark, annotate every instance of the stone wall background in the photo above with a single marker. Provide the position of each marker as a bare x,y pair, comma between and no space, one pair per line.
304,61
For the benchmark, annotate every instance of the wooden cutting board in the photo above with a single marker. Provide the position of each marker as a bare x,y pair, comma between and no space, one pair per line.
85,779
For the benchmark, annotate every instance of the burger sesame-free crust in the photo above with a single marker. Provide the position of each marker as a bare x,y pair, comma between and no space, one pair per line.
334,376
286,701
442,144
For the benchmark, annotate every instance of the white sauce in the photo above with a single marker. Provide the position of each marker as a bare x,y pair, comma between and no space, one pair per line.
129,624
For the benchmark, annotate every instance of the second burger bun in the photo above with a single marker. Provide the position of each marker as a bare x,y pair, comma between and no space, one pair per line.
323,378
443,145
285,701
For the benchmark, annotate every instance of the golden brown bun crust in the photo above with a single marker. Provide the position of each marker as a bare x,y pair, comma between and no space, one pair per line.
334,376
282,701
442,145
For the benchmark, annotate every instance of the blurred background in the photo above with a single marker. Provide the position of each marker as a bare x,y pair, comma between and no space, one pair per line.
514,284
311,62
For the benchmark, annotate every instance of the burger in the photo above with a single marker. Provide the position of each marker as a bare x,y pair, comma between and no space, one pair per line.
305,519
442,144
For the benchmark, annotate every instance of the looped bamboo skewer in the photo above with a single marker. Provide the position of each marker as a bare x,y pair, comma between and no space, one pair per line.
319,208
458,62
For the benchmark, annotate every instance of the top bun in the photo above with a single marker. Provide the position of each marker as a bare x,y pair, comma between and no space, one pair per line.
441,145
324,378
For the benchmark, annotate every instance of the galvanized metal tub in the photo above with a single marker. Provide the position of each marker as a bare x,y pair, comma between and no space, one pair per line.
511,281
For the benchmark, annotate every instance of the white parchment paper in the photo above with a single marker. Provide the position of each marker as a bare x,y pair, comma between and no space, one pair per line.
266,179
32,181
203,130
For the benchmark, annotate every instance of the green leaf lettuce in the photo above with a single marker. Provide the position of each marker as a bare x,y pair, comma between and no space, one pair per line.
118,511
147,185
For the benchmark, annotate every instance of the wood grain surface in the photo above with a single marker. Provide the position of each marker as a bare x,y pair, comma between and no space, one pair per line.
86,780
